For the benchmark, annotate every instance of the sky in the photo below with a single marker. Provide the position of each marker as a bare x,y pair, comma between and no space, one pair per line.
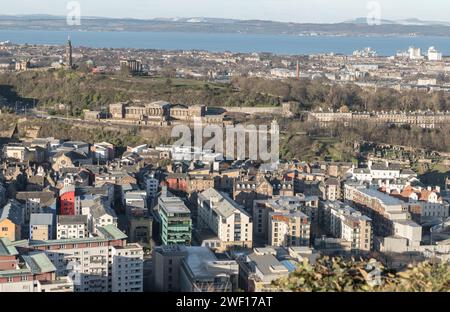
302,11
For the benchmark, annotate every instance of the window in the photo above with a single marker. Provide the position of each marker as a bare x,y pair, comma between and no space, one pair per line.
4,229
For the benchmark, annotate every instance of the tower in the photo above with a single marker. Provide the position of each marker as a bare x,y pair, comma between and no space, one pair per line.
298,71
69,60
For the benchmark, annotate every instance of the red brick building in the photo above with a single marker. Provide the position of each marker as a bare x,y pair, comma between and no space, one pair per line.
177,182
67,201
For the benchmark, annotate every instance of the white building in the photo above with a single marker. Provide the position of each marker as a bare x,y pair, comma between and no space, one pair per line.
425,204
289,228
220,214
189,153
434,55
127,268
409,230
344,222
282,73
100,215
93,263
72,227
415,53
283,220
136,198
366,52
384,171
103,151
151,185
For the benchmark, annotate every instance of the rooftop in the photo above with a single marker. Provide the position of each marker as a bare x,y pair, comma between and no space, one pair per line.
173,205
12,273
386,199
268,264
46,198
111,232
13,212
41,219
221,202
39,263
6,248
81,219
108,233
203,263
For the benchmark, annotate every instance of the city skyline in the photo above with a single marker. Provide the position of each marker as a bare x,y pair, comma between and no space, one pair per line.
299,11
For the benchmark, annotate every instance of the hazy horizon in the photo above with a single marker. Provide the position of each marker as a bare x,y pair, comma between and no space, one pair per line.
298,11
174,18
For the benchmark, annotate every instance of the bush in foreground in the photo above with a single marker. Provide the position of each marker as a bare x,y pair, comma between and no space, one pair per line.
339,275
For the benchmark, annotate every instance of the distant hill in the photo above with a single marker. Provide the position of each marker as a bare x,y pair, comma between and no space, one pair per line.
405,22
356,27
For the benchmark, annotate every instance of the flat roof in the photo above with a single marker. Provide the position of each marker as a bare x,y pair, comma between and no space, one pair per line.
41,219
196,260
268,264
173,250
408,222
173,205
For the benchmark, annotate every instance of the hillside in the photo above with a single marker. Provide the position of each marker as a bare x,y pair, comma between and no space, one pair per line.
356,27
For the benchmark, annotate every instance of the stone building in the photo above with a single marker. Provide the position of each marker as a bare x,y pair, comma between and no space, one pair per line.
187,113
151,112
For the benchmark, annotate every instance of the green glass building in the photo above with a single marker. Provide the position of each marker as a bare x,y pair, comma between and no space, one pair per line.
176,222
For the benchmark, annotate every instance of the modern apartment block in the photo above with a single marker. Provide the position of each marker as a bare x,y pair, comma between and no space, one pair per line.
383,209
283,221
391,220
127,268
176,222
344,222
71,227
28,272
221,215
289,228
96,264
